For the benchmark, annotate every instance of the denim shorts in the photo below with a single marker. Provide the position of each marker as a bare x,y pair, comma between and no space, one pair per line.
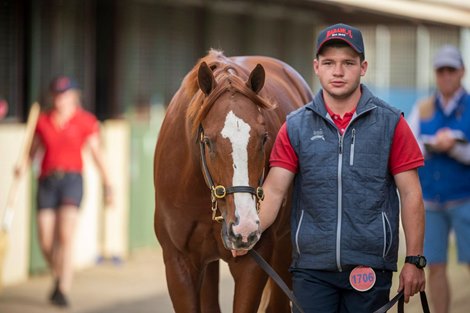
58,189
439,225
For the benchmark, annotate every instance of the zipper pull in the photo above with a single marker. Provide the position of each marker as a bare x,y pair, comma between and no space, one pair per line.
351,153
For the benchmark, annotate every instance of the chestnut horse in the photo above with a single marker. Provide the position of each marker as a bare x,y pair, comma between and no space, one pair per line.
218,133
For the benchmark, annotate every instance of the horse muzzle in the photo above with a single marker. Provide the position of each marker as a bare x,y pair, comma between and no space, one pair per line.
239,241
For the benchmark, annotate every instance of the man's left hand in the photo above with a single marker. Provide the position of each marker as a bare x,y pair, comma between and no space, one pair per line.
412,280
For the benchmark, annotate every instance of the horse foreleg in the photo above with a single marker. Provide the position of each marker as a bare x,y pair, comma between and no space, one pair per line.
210,289
249,284
184,282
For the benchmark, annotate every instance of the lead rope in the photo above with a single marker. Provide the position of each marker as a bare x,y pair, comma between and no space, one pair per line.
401,303
275,276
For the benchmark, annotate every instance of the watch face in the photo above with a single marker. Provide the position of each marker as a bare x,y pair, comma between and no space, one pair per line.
421,262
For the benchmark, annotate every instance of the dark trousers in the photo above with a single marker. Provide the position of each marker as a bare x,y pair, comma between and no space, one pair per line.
331,292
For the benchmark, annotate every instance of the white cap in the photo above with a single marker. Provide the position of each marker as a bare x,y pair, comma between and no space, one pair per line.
448,56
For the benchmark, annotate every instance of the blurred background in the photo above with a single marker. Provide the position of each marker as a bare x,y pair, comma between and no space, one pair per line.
130,56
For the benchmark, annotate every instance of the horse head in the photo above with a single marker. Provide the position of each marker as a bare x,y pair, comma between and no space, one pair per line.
232,136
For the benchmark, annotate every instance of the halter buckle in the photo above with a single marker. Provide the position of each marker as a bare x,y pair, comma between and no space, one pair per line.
219,192
260,193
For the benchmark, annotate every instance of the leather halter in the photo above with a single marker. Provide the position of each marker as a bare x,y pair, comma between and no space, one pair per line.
220,191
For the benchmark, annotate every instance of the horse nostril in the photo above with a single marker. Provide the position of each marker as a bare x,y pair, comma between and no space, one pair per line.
231,232
252,237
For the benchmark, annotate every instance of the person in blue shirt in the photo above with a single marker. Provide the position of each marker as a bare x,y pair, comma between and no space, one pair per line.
441,124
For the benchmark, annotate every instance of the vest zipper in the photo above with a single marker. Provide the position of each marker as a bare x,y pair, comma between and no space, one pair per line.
351,154
340,204
340,185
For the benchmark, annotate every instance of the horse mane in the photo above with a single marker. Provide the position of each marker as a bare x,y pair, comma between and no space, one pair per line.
229,77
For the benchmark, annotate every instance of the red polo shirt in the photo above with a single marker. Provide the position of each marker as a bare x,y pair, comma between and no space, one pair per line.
63,145
404,155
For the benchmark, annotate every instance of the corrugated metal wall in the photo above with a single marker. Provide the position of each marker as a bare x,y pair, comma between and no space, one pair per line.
63,37
160,43
11,55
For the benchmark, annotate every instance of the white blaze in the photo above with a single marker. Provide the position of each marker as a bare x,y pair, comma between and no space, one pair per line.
238,132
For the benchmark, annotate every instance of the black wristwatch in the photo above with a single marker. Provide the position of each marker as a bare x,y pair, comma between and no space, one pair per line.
419,260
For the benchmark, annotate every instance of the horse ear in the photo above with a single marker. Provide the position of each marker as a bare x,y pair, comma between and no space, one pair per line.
256,80
205,78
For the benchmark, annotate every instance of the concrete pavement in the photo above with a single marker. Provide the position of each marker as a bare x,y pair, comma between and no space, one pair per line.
139,286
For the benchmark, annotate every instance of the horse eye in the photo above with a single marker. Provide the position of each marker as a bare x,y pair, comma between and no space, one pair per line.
207,142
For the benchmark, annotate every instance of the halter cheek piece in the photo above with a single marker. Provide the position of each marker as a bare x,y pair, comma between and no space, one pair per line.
219,191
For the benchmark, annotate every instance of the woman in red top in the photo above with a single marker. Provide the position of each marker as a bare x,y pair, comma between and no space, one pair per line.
61,133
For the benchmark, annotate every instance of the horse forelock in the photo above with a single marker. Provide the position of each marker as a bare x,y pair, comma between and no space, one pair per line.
228,79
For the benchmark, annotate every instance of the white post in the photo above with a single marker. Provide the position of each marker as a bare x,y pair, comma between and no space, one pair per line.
382,57
423,59
465,49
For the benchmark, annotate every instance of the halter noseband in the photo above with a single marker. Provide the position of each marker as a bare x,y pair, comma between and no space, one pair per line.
219,191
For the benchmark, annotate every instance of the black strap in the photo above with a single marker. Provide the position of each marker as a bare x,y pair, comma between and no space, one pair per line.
272,273
401,303
391,303
207,175
245,189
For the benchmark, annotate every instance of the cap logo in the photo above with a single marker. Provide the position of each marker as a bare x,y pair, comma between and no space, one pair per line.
339,32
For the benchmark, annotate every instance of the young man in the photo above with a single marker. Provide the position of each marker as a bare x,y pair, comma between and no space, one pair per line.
347,152
442,126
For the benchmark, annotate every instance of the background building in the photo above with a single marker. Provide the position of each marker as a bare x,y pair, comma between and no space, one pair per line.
130,56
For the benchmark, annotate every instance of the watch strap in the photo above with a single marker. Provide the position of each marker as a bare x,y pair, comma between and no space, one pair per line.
415,259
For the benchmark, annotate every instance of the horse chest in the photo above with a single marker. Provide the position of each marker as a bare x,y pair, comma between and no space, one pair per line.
204,240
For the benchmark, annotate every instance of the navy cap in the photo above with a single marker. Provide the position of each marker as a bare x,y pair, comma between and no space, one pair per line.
62,84
351,35
448,56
